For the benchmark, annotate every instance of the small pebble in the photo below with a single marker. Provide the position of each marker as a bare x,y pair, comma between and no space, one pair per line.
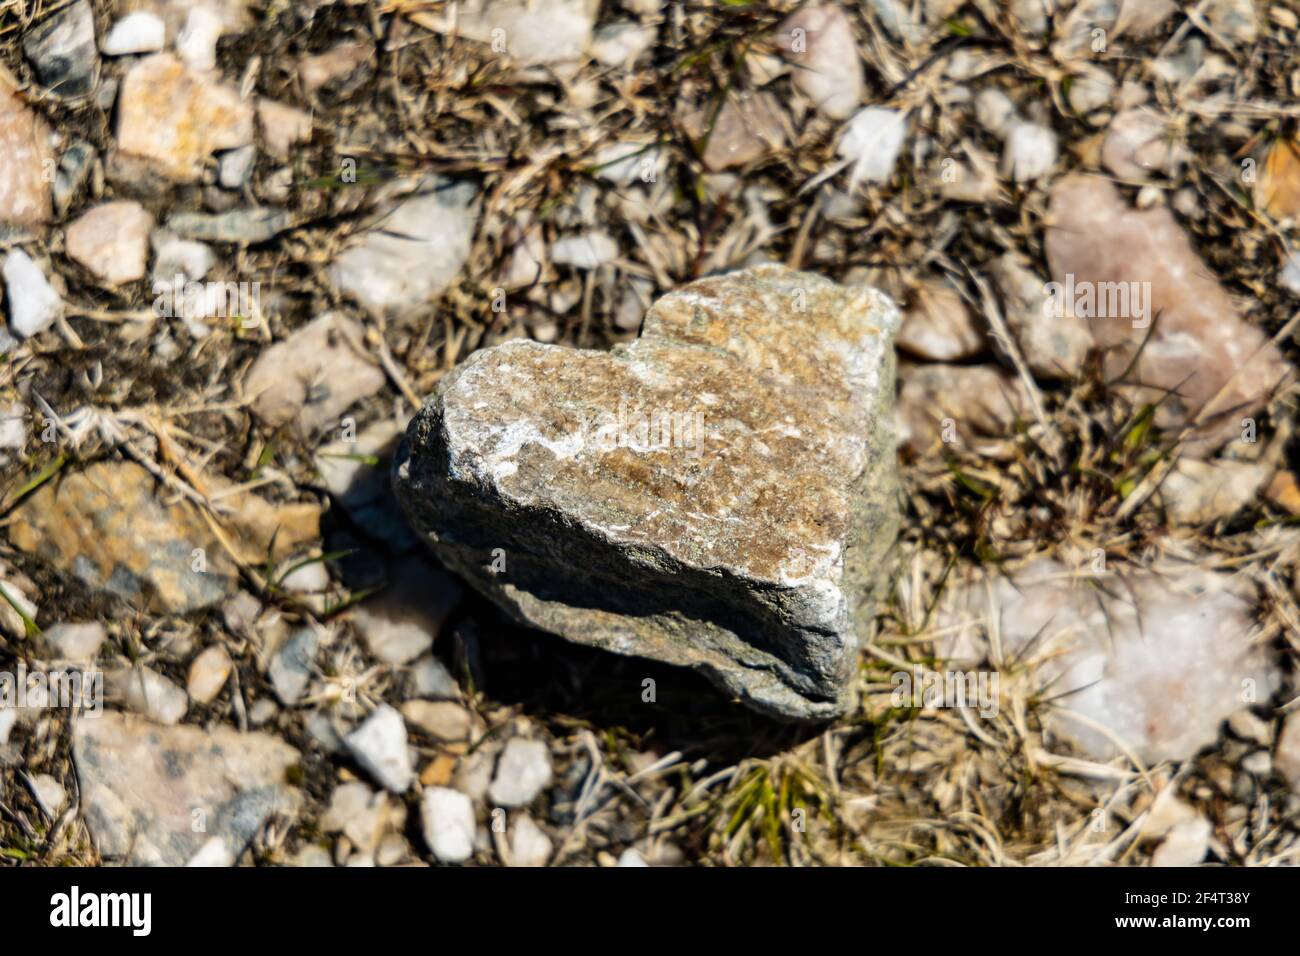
444,720
1258,764
448,818
77,642
1185,845
138,32
620,43
49,794
379,745
818,40
149,693
112,241
873,140
13,425
523,772
1286,757
431,680
291,667
208,674
33,304
197,41
588,251
62,49
1029,152
529,846
235,166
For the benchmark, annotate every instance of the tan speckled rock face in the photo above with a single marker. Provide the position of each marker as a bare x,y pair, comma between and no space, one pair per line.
176,118
109,525
719,494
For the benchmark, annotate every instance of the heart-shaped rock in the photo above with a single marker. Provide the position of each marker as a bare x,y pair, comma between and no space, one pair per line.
719,494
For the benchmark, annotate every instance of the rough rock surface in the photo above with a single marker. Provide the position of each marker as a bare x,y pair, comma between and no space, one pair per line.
107,525
146,789
1199,344
719,494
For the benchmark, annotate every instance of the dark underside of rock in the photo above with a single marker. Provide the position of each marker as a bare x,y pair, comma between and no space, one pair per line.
719,494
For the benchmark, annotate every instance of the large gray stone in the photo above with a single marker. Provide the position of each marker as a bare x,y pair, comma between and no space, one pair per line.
720,494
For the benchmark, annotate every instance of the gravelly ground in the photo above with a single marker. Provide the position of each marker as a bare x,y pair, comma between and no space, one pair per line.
688,777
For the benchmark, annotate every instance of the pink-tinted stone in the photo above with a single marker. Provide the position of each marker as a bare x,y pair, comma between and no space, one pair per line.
748,127
323,68
938,326
144,786
314,375
1144,278
25,146
112,241
1155,660
958,405
818,41
1139,143
283,126
1053,346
